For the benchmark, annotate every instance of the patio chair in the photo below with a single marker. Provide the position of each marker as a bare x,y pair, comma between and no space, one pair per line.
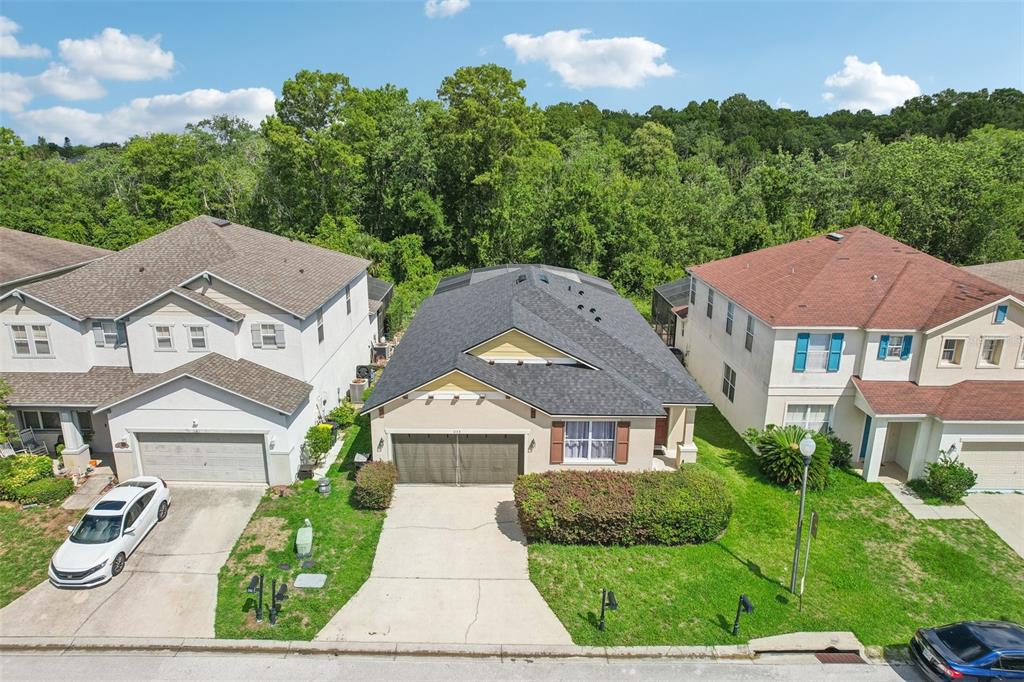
33,444
7,450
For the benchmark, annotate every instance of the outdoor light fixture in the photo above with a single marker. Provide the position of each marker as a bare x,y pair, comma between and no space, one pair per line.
743,607
277,595
380,444
951,452
256,587
607,601
807,448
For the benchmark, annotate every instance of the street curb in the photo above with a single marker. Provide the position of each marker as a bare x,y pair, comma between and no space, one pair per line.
61,645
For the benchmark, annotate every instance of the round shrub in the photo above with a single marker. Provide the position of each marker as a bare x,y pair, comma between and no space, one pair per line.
45,491
375,485
344,414
949,478
319,439
623,508
21,469
778,454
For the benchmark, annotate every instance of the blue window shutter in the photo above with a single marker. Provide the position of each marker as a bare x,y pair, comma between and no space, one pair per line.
835,352
883,346
905,351
1001,314
800,357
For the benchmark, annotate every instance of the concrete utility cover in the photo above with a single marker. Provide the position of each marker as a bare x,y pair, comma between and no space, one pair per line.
450,568
310,580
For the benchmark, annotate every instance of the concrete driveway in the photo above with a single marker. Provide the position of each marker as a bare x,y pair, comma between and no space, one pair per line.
450,567
169,585
1004,513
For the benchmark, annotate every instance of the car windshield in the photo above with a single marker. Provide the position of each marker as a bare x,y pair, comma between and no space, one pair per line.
962,642
96,530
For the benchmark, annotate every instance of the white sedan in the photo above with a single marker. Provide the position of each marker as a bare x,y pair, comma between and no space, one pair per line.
107,535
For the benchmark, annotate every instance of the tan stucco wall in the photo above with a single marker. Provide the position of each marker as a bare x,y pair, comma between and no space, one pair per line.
495,416
973,329
515,345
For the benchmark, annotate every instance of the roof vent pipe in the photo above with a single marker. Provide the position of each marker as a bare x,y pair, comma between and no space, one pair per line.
220,222
874,278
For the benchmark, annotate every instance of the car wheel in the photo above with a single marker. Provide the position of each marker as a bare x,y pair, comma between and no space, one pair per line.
161,512
118,565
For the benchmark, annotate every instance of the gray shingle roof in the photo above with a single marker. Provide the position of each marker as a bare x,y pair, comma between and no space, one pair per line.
242,377
632,372
24,255
71,389
293,275
1008,274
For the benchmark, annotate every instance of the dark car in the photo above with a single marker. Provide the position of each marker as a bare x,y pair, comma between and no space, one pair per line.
972,650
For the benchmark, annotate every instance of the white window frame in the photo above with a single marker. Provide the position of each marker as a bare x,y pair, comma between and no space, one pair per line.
36,424
982,362
959,342
319,326
109,328
191,338
895,344
157,337
348,299
730,314
264,326
1020,354
31,329
813,354
729,383
805,422
711,304
748,340
589,440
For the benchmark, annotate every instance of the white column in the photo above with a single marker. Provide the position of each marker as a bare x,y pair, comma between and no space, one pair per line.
876,449
76,452
920,455
686,449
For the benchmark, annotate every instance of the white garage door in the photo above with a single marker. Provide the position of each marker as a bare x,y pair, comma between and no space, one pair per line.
998,465
211,457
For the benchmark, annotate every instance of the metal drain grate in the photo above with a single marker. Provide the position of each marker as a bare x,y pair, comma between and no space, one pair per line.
839,658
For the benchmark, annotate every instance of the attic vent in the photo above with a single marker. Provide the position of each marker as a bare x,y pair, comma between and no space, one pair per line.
220,222
579,307
836,236
597,319
520,279
581,292
142,268
874,278
593,310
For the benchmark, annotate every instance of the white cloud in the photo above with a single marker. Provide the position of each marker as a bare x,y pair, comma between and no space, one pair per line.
782,104
162,113
9,45
444,8
116,56
62,82
15,92
593,62
865,86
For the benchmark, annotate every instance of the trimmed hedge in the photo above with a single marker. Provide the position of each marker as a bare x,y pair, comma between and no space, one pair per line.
22,469
375,485
778,453
689,506
949,478
45,491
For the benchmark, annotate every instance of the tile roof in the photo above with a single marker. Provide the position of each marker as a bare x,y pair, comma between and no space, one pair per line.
1008,274
863,280
631,373
242,377
964,401
24,254
293,275
71,389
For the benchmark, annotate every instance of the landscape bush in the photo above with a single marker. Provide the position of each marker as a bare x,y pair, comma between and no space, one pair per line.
949,478
45,491
22,469
842,451
344,415
319,439
623,508
375,485
778,453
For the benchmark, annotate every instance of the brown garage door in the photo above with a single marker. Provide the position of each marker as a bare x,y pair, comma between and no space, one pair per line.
463,459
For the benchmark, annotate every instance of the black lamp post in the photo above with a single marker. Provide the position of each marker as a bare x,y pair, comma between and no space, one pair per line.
607,600
276,597
256,587
743,607
807,447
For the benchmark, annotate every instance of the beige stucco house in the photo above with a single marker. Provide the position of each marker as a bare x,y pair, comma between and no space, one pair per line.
526,368
903,355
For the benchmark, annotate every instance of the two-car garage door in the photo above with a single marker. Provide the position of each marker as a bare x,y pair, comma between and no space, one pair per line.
205,457
457,459
999,465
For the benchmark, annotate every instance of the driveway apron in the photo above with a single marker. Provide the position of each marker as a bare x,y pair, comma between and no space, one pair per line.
1004,514
451,567
169,585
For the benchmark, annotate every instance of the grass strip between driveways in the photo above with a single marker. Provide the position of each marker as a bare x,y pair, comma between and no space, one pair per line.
28,539
344,543
874,569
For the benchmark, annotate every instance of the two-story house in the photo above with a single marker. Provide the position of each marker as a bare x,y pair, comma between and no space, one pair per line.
203,353
903,355
26,257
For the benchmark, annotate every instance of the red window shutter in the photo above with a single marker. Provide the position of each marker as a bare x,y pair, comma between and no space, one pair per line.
557,441
622,443
661,431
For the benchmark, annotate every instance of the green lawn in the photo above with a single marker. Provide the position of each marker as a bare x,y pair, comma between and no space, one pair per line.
874,569
345,540
27,541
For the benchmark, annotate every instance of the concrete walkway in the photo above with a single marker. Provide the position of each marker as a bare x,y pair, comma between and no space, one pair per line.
451,567
919,510
90,491
1004,514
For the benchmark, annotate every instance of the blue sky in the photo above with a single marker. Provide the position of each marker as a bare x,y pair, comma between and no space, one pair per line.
237,54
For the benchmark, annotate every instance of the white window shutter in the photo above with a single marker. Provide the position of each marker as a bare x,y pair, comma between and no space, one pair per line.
279,334
97,334
257,339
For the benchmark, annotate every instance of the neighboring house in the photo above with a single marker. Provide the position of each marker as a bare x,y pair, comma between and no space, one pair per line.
902,354
379,293
203,353
1008,274
525,368
27,257
670,304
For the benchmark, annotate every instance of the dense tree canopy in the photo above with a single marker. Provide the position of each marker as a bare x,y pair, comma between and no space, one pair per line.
479,176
